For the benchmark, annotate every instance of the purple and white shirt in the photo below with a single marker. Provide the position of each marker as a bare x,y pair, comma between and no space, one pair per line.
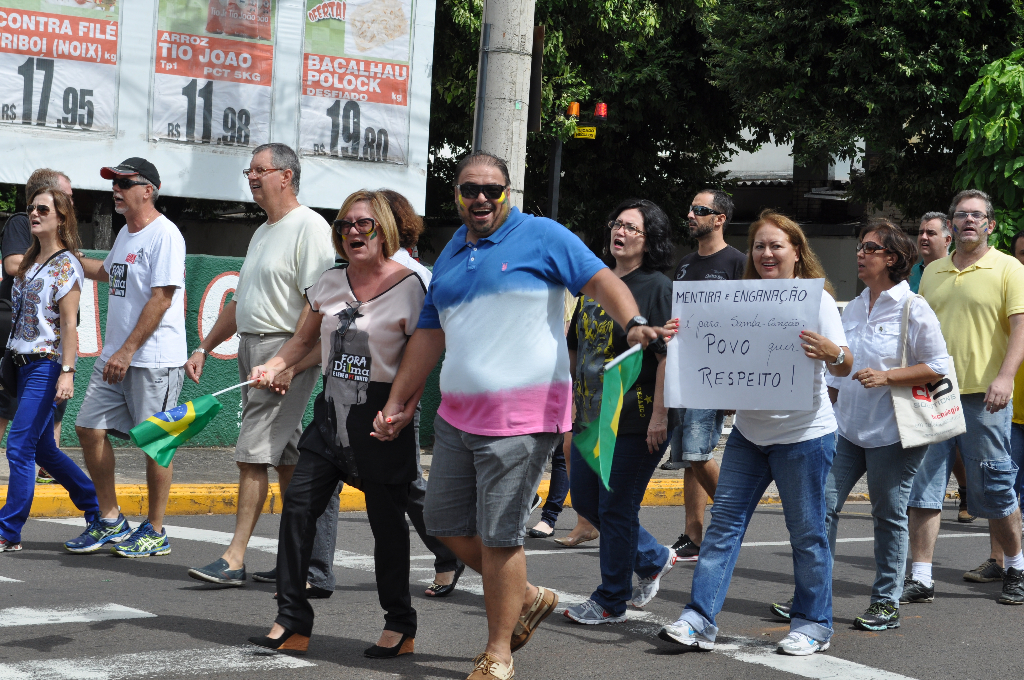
500,303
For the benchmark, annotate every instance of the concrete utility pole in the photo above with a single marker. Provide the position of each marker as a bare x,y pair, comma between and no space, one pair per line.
503,86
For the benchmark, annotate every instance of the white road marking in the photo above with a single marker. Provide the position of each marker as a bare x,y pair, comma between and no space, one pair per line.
189,534
27,616
4,579
821,666
171,663
868,539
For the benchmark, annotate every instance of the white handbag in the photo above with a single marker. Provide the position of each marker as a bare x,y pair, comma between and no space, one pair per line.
931,413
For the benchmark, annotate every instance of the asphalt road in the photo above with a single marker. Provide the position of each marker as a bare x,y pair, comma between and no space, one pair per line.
100,617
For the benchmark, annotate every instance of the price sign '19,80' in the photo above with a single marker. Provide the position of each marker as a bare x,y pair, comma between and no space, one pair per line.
58,70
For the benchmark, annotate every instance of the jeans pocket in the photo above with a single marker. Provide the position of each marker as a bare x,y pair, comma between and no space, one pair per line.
997,478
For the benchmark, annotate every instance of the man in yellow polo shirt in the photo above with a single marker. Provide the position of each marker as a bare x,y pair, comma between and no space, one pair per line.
978,295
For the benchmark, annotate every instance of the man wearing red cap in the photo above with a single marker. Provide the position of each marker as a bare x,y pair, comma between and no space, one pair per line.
139,371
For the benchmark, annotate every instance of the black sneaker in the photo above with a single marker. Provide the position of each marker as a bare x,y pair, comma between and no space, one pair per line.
987,572
1013,587
673,465
915,591
879,616
685,549
782,609
265,576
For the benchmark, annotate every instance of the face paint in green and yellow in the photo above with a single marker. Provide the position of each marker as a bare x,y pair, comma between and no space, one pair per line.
482,216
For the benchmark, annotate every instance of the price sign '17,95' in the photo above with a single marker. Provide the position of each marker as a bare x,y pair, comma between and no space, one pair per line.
214,63
58,65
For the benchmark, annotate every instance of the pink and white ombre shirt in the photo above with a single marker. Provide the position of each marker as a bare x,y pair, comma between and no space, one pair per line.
500,303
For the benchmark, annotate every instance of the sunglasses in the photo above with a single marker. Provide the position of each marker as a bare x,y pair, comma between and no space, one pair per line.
491,191
363,226
259,172
43,210
631,229
870,247
123,183
703,211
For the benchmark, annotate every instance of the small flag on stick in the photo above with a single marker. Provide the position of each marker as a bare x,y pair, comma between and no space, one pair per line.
597,443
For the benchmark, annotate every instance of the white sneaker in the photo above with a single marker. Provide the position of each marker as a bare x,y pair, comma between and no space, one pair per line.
682,633
798,644
646,588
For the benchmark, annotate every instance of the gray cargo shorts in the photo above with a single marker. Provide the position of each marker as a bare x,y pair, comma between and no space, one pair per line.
120,407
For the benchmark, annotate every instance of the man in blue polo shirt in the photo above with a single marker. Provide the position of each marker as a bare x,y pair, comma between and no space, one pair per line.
495,304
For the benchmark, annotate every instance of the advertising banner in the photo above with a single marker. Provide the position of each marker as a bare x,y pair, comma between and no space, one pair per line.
738,345
213,72
58,64
355,80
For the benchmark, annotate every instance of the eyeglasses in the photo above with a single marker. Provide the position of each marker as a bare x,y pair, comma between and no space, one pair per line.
43,210
491,191
961,216
703,211
870,247
259,172
124,183
363,226
631,229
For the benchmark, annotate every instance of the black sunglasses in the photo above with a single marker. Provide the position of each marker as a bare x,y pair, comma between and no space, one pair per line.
124,183
703,211
492,191
43,210
364,225
870,247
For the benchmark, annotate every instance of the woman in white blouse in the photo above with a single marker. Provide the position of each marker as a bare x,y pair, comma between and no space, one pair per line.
869,440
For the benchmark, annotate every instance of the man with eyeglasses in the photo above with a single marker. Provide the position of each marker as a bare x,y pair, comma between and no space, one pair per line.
286,255
138,373
977,294
695,432
495,306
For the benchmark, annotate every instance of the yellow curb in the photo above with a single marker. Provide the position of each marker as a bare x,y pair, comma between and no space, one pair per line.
222,499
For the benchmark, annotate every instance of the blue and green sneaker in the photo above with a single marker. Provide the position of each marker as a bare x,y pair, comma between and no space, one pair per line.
99,533
143,542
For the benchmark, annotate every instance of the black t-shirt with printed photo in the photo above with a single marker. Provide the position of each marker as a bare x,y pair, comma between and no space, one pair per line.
725,265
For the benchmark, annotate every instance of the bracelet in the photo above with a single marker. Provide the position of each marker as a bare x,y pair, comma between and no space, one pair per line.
199,349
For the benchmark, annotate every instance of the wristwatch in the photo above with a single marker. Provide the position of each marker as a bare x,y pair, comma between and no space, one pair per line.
67,369
200,350
841,358
635,321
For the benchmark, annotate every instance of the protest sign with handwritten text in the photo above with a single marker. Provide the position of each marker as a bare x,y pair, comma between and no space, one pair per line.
738,345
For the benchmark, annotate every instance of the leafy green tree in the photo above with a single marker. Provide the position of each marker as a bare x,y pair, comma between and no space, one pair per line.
892,72
994,160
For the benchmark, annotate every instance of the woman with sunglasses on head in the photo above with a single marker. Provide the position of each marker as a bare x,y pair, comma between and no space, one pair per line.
637,244
792,448
363,314
44,347
869,439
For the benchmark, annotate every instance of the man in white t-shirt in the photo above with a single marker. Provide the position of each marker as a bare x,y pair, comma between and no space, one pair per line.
139,372
287,255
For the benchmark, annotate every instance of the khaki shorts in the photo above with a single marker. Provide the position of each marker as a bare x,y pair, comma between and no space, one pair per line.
120,407
271,422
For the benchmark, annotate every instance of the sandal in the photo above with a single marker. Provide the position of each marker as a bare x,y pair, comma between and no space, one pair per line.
527,624
574,541
444,590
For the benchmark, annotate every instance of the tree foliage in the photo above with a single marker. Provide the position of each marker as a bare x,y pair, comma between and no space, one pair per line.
993,160
668,127
892,72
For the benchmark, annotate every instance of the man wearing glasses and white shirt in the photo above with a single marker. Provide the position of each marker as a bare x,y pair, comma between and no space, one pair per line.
287,255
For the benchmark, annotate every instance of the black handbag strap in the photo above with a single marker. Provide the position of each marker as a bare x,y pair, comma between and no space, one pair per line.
14,322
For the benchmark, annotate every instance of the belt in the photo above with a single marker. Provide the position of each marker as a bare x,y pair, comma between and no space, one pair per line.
26,359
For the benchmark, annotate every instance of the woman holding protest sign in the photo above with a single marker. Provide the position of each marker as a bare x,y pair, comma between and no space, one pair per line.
792,448
364,314
869,438
637,244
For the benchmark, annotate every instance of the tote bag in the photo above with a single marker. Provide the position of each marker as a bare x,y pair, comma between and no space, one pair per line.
930,413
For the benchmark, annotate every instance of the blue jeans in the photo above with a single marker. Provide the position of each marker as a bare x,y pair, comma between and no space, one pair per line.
890,470
557,490
1017,456
799,471
626,547
695,433
30,441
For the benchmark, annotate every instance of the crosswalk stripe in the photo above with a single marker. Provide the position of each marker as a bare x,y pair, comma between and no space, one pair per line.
4,579
28,616
171,663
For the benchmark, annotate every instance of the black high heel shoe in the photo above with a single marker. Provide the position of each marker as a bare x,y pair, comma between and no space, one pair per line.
289,642
438,590
407,645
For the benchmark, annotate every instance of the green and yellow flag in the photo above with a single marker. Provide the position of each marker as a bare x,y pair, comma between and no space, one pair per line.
597,443
161,434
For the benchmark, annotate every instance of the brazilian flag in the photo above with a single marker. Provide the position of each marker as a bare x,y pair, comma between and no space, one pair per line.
597,443
160,435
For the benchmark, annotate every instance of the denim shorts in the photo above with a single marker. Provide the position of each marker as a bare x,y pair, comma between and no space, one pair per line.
484,485
695,433
985,450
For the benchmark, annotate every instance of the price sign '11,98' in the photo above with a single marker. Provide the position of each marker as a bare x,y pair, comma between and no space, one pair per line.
214,63
58,67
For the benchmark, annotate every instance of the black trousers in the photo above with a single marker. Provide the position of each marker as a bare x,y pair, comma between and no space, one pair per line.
313,482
